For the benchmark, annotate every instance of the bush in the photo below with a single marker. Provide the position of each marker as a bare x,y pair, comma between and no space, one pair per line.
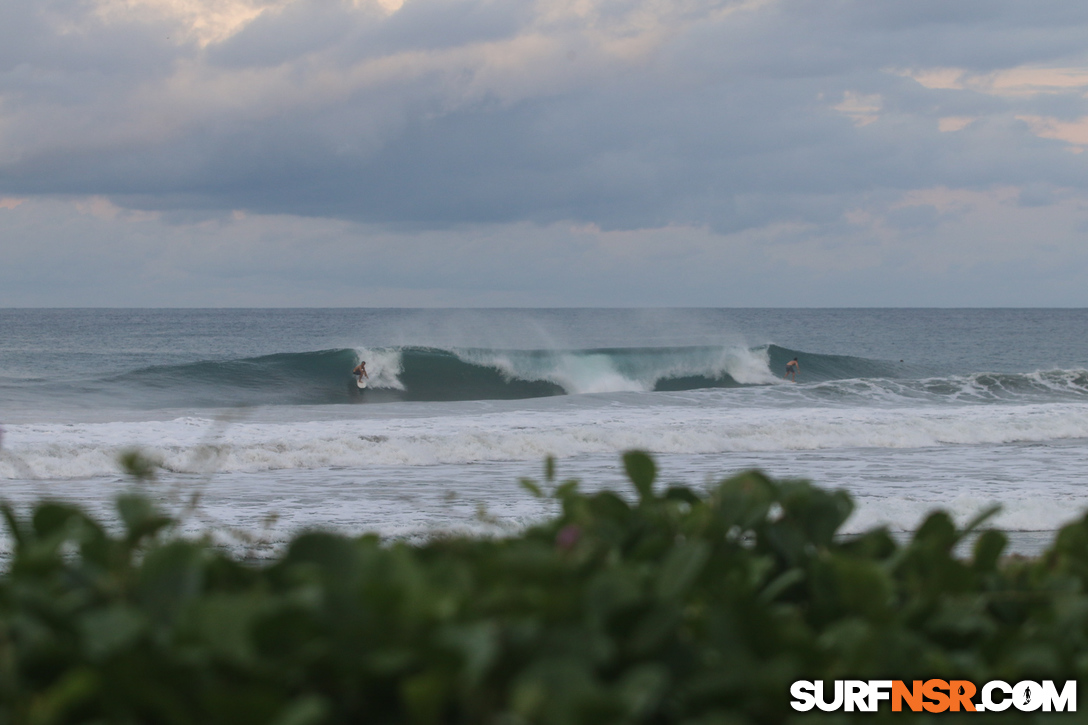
681,607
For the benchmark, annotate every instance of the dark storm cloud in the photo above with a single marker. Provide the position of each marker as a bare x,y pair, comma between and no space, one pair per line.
475,111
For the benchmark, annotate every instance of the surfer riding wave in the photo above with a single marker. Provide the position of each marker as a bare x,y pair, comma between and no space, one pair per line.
360,373
791,370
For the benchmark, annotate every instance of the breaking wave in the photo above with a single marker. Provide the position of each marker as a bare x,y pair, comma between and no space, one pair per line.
420,374
197,444
433,374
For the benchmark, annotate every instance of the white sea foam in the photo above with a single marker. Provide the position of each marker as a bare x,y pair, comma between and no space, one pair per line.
192,444
587,371
747,367
1040,488
591,374
383,366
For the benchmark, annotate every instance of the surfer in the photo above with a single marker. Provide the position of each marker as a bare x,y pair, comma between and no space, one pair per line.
360,371
791,370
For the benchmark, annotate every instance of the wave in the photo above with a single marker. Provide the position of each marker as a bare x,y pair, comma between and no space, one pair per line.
818,367
284,378
955,390
196,445
434,374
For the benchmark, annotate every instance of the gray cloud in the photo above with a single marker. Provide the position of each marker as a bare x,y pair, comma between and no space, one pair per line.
720,118
722,110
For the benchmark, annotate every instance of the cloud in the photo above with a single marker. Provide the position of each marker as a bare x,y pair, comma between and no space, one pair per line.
1072,132
933,247
1020,82
862,109
206,21
729,129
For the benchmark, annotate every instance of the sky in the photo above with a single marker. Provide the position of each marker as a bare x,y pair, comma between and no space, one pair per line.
543,153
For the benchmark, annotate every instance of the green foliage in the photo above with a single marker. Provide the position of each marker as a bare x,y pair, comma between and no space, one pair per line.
682,607
139,465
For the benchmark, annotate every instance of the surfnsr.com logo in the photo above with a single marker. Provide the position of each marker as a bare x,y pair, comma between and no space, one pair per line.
934,696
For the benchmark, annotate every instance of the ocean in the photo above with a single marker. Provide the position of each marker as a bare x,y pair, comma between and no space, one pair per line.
261,432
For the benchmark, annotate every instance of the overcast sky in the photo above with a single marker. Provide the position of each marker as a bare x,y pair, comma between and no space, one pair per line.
543,153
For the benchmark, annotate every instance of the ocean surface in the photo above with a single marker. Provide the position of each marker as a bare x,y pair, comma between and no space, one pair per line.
261,431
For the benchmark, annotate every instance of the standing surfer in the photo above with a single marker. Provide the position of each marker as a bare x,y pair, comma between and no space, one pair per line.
360,371
791,370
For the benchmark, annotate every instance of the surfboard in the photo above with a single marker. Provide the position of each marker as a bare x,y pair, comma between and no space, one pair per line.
361,383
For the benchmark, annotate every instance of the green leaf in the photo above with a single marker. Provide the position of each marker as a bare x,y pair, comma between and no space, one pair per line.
642,471
226,623
682,493
819,513
566,490
532,487
15,527
679,570
654,630
169,578
937,533
304,710
74,688
424,696
642,688
140,517
981,517
105,631
55,519
478,645
864,587
988,550
745,500
781,583
139,465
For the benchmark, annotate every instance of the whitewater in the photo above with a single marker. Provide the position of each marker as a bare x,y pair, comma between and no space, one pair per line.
254,413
